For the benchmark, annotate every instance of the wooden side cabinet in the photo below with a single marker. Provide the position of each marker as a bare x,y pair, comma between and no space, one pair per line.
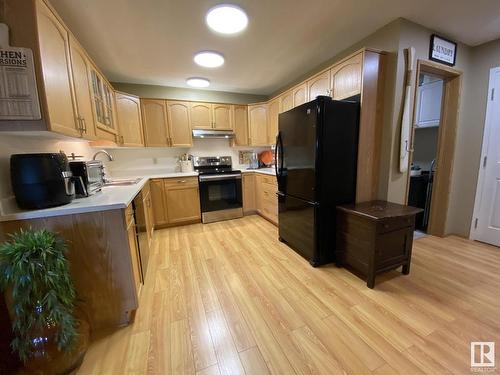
374,237
175,201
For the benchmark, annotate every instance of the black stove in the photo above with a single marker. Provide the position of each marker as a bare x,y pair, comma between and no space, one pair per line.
220,188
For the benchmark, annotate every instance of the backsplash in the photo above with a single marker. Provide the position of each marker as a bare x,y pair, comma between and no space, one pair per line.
29,143
144,161
127,161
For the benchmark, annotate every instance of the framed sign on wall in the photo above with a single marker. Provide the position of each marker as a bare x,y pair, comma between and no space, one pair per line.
442,50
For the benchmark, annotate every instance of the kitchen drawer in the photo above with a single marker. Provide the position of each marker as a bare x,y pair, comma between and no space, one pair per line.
269,192
391,224
268,179
184,181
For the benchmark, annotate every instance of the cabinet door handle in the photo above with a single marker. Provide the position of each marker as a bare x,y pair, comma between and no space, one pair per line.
181,182
84,124
79,126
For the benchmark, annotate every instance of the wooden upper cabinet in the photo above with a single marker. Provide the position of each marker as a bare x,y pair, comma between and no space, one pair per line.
154,120
299,94
273,112
80,65
179,123
222,117
103,98
201,115
56,70
257,124
240,116
319,85
128,111
346,77
286,101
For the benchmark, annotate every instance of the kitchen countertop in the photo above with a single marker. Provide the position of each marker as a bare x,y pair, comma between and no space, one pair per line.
110,198
268,171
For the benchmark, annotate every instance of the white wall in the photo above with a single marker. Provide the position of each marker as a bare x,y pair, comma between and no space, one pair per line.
127,161
144,161
42,142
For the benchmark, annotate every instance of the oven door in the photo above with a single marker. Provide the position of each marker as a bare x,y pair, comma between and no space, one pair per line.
220,193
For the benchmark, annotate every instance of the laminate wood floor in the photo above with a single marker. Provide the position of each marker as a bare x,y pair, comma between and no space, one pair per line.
228,298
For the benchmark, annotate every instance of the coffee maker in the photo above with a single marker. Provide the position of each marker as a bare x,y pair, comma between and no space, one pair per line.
41,180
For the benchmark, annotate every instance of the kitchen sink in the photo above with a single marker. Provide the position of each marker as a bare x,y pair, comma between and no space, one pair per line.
123,182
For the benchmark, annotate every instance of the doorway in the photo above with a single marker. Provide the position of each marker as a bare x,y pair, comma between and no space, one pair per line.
435,117
486,219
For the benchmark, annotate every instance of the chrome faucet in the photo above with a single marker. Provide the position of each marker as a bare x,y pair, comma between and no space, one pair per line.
103,152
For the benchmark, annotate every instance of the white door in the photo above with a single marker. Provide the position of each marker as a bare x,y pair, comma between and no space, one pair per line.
486,222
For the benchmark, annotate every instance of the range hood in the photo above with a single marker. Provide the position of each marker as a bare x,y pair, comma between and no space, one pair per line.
212,133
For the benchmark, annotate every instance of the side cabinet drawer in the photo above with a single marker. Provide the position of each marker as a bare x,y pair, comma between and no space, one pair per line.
388,225
267,179
177,181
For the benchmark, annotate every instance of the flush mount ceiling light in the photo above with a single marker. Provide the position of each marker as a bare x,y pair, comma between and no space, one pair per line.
227,19
209,59
198,82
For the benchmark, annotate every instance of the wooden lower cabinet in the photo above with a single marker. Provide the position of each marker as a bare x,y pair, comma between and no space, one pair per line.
259,196
248,188
175,201
103,259
135,258
182,200
158,200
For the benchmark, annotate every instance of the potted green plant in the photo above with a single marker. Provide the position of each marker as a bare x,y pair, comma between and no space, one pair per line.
35,276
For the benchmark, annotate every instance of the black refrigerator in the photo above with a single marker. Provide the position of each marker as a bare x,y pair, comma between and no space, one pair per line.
316,158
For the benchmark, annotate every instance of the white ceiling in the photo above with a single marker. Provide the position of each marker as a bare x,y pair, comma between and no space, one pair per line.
153,41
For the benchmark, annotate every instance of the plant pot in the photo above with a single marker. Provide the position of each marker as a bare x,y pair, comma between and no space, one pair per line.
45,358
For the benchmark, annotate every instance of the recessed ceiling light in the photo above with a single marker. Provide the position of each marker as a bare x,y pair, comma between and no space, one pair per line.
198,82
209,59
227,19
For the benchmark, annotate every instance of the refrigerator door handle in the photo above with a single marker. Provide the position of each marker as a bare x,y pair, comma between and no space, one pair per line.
276,155
278,165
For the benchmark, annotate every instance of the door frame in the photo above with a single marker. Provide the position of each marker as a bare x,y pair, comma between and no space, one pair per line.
447,134
488,127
